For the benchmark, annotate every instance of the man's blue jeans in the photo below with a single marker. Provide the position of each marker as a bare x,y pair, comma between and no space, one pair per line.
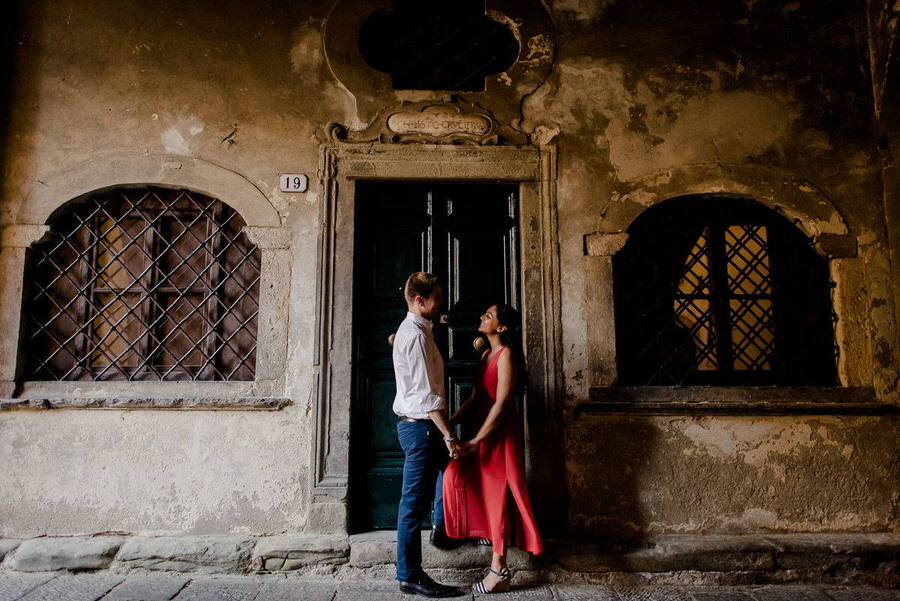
425,458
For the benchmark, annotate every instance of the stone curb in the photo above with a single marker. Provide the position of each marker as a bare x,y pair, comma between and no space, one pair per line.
292,552
7,545
873,558
187,554
70,553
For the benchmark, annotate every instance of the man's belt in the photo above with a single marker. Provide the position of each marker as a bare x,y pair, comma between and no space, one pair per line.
403,418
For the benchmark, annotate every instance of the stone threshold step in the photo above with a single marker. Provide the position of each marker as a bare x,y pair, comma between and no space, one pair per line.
662,553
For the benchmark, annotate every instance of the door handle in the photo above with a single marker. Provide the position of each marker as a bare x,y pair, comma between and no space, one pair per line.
479,343
445,319
391,339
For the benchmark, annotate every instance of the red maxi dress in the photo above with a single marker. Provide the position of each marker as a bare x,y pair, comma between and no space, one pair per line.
485,493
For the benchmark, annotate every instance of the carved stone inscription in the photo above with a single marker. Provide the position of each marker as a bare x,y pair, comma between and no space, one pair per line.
439,122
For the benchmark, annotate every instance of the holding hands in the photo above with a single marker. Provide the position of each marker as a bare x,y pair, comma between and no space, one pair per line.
458,448
452,447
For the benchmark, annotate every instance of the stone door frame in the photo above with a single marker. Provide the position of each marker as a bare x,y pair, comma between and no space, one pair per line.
534,169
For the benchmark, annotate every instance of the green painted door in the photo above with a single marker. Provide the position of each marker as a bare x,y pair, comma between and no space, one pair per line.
467,235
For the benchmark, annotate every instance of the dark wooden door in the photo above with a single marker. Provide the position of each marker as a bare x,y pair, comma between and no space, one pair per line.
467,235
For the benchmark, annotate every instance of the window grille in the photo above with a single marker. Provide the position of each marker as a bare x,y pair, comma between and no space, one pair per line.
142,284
721,291
430,45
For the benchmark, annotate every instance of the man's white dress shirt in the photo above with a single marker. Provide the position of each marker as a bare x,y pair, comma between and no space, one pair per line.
418,369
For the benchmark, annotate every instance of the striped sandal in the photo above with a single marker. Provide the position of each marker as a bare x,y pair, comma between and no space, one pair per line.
484,542
502,585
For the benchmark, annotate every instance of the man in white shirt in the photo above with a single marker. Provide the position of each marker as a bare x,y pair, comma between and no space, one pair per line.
423,430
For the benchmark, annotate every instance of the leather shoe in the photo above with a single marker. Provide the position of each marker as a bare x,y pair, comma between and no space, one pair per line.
427,587
440,540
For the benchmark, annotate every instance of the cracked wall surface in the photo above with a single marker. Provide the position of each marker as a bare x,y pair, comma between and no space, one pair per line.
645,101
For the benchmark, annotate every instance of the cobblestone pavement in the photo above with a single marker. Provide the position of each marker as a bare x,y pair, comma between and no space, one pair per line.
182,587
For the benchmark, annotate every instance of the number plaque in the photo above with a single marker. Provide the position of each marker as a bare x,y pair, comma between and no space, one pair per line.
293,182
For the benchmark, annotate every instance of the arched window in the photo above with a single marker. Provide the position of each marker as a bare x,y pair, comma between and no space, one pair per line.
428,45
142,283
721,291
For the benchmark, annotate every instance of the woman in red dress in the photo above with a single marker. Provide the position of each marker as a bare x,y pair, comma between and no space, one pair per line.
485,492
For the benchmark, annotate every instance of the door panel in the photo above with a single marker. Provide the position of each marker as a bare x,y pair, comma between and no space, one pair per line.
466,234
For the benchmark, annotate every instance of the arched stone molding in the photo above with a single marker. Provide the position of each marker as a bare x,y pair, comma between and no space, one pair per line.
372,92
199,175
797,199
263,228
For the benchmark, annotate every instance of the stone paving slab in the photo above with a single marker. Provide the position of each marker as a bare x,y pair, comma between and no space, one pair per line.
190,587
861,593
223,588
380,591
529,592
585,593
656,593
75,587
148,587
292,589
723,594
788,593
14,586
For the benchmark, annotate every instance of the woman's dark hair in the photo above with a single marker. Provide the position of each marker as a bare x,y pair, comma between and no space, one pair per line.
512,338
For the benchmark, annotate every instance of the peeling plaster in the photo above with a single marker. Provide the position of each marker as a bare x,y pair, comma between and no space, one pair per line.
177,138
306,54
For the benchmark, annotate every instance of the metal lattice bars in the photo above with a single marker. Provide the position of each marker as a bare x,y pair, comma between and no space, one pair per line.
143,283
721,291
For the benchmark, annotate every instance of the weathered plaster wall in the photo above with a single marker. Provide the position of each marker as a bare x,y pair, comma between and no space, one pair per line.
884,30
244,87
631,475
81,472
645,94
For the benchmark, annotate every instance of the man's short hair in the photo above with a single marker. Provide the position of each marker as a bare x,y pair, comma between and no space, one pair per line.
421,284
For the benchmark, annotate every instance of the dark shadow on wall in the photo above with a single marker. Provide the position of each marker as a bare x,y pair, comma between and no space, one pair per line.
614,455
16,90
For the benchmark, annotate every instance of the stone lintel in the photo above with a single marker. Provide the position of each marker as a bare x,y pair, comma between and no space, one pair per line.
268,237
604,244
749,400
219,403
21,235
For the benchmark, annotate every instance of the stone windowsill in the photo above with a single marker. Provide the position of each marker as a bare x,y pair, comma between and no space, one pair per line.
747,400
182,403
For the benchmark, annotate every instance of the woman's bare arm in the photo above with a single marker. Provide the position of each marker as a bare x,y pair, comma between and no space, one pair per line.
506,379
463,409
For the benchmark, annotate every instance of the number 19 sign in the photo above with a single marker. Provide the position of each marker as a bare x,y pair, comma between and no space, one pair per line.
293,182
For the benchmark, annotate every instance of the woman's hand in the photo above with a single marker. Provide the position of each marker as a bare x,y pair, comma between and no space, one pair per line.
467,447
